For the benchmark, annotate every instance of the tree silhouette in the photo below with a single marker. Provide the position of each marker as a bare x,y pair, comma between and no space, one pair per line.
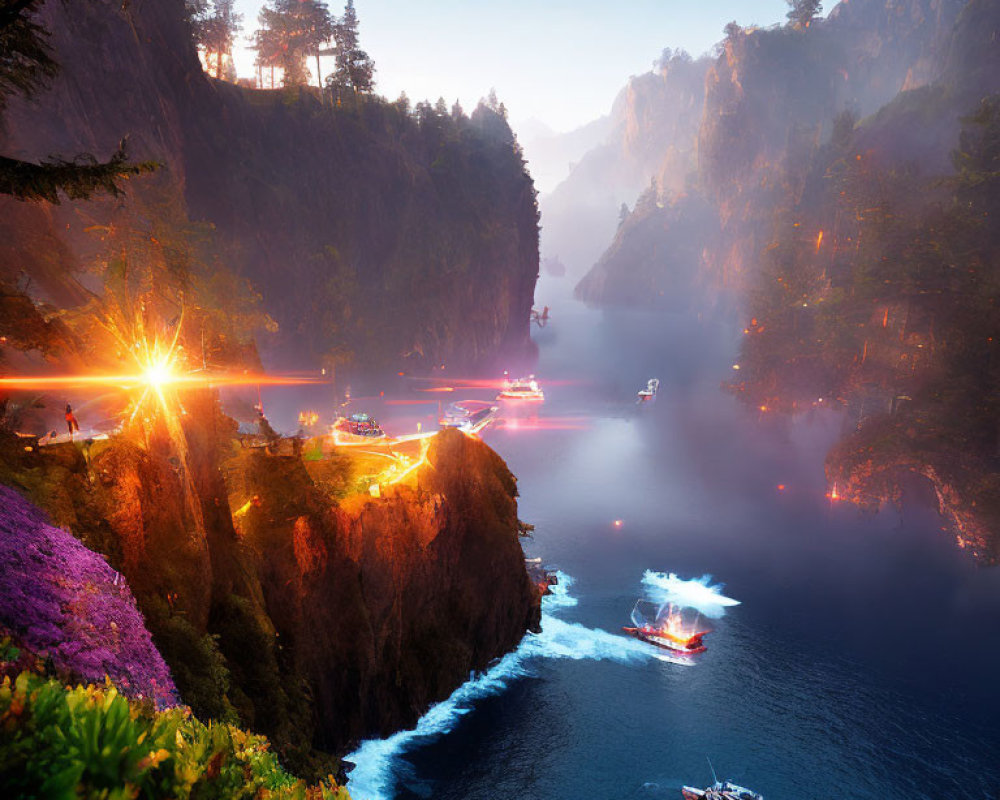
290,31
355,69
802,12
215,28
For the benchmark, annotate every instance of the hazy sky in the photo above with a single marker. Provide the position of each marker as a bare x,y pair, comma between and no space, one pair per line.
557,61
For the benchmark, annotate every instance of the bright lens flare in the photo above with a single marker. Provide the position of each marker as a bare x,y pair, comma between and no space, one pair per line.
157,375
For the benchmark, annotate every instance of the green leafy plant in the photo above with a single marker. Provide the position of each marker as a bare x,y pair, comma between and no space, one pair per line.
92,742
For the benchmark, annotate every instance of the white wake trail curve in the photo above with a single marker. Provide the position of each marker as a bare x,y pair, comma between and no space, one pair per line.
697,593
373,778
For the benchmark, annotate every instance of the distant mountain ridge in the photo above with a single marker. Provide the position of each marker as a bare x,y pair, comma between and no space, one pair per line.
770,95
652,132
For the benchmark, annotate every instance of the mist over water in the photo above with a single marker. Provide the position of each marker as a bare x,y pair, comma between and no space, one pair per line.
858,662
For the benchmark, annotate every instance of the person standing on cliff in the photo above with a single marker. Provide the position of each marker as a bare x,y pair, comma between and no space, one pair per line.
71,423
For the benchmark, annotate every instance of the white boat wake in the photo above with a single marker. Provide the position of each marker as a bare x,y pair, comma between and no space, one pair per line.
373,776
696,593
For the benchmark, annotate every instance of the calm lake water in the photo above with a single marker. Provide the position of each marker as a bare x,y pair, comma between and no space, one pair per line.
861,662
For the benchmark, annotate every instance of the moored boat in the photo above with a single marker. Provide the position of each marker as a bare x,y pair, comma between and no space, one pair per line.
357,429
521,388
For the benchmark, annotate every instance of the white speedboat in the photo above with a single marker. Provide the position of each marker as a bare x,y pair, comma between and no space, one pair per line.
521,388
720,790
652,387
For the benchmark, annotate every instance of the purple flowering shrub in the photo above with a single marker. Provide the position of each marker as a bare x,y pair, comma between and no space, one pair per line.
63,601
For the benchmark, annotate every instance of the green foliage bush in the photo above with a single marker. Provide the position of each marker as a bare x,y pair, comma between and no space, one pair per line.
90,742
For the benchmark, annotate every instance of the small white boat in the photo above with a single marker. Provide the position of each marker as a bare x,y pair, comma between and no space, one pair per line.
720,790
652,387
521,388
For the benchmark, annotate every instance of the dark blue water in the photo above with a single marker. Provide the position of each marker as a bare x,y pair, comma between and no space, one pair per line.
861,663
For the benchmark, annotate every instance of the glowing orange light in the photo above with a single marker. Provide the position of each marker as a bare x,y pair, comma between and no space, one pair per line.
308,418
763,408
819,241
152,376
781,487
156,375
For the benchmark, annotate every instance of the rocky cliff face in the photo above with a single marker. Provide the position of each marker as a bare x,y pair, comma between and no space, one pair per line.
769,102
314,622
376,235
653,137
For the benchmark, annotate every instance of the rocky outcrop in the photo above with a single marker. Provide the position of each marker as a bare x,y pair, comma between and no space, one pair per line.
315,622
769,103
652,138
388,604
874,465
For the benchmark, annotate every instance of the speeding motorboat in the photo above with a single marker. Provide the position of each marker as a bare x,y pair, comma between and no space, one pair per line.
521,388
470,416
666,628
652,387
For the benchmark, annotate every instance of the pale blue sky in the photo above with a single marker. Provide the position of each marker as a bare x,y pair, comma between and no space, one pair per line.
557,61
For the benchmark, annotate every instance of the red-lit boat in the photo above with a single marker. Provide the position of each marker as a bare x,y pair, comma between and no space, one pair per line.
668,631
357,429
662,637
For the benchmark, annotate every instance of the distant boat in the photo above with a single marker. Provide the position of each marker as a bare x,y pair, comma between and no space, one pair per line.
652,387
521,388
470,416
720,790
357,428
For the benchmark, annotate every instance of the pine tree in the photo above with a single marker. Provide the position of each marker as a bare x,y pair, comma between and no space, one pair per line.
355,69
290,32
26,65
215,28
802,12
